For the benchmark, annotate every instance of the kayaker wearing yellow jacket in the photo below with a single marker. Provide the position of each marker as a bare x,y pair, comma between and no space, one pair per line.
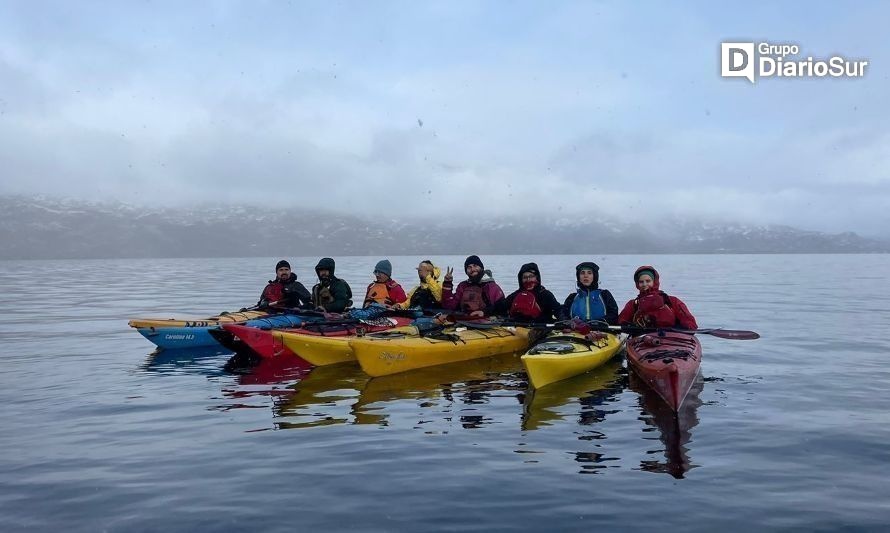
427,295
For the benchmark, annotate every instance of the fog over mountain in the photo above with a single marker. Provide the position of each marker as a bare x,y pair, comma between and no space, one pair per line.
449,109
44,228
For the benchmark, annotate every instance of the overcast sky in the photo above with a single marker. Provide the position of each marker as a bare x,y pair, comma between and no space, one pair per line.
447,108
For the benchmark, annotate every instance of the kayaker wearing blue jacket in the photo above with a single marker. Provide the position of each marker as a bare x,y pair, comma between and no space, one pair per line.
330,294
590,302
284,290
532,302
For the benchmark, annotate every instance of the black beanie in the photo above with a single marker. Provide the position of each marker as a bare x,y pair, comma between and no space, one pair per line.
282,263
473,260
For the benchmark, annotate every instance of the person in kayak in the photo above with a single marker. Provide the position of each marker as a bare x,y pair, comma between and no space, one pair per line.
532,302
653,308
589,302
476,296
428,294
284,290
384,290
330,294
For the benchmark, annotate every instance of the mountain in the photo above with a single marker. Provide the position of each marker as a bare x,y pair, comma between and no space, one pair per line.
45,228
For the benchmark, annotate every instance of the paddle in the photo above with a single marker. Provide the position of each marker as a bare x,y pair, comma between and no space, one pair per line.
732,334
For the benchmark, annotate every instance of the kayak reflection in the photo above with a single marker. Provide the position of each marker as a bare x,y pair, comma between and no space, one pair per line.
204,360
674,428
592,391
343,394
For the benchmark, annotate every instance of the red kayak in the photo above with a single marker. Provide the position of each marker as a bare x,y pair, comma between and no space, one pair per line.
667,361
260,341
267,343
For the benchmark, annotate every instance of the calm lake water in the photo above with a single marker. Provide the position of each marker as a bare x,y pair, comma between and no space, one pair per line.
787,432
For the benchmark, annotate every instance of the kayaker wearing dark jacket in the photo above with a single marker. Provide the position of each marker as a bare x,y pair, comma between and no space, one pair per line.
330,294
477,295
284,290
532,302
590,302
384,290
652,307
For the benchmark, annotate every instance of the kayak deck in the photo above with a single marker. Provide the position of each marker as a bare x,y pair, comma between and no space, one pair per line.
394,352
564,355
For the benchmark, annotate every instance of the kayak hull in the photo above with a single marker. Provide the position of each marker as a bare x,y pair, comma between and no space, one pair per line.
177,333
324,346
565,355
392,354
668,362
258,340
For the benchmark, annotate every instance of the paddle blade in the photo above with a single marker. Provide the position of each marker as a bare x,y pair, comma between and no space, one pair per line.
733,334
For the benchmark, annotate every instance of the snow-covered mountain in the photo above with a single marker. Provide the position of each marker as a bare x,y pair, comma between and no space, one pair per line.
44,228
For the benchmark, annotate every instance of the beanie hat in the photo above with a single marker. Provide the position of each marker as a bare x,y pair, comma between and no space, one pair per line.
473,260
642,271
282,263
384,266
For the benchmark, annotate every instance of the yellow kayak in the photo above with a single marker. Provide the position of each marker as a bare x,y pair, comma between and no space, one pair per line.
332,347
562,355
394,352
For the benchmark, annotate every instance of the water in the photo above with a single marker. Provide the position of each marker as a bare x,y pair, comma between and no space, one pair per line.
787,432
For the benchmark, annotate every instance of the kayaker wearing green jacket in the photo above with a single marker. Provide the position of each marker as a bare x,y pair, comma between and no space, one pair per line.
330,294
653,308
590,302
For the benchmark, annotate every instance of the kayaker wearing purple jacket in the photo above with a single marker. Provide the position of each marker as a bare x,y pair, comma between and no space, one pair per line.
477,296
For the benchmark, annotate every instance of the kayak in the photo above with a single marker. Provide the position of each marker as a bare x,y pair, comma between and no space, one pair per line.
667,361
403,350
560,356
187,332
328,344
235,336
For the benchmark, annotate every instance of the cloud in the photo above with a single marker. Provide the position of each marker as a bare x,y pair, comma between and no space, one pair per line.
438,111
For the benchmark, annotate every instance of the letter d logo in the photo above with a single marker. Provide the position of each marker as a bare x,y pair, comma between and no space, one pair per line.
737,60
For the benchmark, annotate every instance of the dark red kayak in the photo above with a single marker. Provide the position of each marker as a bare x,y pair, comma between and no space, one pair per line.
260,341
667,361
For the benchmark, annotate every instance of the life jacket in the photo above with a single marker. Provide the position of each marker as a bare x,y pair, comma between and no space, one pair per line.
588,305
423,297
525,305
473,298
274,291
321,295
656,305
377,292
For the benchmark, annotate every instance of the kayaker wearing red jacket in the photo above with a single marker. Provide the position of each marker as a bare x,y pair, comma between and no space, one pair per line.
532,302
477,295
652,307
384,290
284,290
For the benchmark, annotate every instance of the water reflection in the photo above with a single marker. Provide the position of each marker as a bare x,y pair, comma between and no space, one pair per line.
674,429
205,360
592,391
343,394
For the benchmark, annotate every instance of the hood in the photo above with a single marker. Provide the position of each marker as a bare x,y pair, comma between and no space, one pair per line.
596,274
529,267
656,285
325,262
